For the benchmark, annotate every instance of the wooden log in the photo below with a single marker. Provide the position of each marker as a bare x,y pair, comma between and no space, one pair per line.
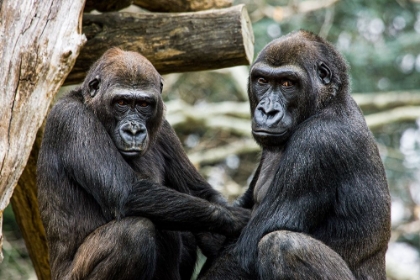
25,207
106,5
172,42
39,43
182,5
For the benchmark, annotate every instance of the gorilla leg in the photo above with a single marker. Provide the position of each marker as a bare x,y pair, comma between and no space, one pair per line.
188,255
225,266
124,249
292,255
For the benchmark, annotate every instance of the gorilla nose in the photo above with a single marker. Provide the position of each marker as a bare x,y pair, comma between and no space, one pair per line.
133,134
268,115
133,129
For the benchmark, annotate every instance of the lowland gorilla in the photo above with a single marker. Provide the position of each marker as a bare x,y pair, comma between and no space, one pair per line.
115,186
319,199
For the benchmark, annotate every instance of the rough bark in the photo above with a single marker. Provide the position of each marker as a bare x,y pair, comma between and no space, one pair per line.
172,42
39,42
182,5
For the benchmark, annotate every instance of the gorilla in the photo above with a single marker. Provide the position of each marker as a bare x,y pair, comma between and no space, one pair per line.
319,198
118,197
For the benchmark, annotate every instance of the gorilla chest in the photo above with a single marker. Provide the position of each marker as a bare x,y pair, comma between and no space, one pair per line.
150,168
268,170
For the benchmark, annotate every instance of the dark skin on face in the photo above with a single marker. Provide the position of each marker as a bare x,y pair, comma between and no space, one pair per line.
319,197
132,110
118,196
277,94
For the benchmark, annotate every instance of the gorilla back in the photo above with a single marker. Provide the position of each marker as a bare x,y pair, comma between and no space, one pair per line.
320,201
115,187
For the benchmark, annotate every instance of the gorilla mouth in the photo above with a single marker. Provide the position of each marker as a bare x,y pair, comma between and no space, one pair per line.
131,152
267,133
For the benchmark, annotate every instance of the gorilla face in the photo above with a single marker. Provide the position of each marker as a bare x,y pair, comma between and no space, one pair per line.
132,110
285,89
125,94
277,93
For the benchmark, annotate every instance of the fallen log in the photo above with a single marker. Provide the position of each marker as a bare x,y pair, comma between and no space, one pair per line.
173,42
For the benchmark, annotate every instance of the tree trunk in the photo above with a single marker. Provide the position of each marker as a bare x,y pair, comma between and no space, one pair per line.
25,207
172,42
182,5
39,43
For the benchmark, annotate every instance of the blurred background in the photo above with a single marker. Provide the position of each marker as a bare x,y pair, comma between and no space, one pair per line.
209,110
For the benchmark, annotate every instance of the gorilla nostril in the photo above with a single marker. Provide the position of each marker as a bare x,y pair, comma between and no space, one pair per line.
272,113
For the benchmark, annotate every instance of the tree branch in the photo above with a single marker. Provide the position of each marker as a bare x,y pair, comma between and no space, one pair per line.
217,154
386,100
378,120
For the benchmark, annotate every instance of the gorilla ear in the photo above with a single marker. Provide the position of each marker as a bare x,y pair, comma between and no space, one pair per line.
324,73
94,86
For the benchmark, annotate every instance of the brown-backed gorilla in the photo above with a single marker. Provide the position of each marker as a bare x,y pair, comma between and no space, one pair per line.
117,194
319,199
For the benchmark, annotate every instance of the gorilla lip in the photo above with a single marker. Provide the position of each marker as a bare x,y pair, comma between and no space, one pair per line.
131,153
268,133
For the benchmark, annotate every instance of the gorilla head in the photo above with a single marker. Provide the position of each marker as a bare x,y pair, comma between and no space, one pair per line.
124,91
285,89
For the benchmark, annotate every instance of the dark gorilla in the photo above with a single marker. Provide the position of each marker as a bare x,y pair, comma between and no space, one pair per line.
319,199
117,194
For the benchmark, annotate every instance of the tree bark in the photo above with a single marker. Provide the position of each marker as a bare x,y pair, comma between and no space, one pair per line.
39,43
172,42
182,5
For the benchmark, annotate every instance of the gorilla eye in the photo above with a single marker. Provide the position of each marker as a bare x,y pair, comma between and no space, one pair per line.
262,81
143,104
286,83
122,102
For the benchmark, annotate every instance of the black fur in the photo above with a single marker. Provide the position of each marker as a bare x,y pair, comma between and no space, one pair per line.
319,199
115,186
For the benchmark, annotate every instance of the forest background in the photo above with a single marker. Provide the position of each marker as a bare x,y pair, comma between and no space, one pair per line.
209,110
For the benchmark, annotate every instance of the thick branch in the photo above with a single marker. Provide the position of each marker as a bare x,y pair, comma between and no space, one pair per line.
172,42
214,116
25,207
39,42
182,5
217,154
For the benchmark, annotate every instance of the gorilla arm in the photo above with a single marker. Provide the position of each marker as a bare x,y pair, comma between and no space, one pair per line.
181,175
171,210
247,199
